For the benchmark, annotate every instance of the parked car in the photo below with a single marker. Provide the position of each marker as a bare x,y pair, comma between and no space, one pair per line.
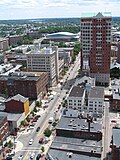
41,140
113,121
32,155
20,157
38,128
38,156
31,142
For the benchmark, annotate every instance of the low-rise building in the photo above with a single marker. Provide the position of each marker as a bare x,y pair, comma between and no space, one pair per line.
77,137
4,44
28,84
15,39
76,98
115,105
4,129
17,104
96,100
115,145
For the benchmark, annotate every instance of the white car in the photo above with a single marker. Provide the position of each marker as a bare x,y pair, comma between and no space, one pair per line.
32,155
20,157
30,141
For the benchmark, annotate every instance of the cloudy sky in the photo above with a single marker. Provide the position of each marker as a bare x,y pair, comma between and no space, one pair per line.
22,9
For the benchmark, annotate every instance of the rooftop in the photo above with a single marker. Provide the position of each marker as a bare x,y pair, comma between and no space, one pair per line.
76,91
79,124
116,137
11,116
96,92
63,35
77,144
116,91
18,97
94,14
2,118
56,154
24,76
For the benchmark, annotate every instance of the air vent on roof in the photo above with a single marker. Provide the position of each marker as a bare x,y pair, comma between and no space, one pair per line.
69,154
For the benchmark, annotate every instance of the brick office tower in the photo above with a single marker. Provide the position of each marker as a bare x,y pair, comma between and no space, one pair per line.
118,53
96,46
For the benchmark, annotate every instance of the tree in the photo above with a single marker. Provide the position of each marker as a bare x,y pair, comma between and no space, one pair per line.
10,144
35,109
22,123
47,132
28,119
42,148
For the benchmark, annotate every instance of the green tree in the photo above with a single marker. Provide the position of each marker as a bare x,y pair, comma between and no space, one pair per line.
35,109
28,119
22,123
47,132
43,149
10,144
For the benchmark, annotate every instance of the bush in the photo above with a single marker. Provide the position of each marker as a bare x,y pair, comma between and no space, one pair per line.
10,144
22,123
28,119
35,109
47,132
42,148
54,124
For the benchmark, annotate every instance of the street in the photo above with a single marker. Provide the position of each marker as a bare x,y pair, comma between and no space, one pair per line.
23,138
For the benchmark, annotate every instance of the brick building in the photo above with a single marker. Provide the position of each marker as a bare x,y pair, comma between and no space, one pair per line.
96,46
4,44
17,104
15,39
4,129
28,84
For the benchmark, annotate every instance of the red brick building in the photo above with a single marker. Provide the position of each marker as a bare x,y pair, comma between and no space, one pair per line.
28,84
95,46
4,129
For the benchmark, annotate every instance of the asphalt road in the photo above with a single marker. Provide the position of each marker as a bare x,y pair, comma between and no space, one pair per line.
43,120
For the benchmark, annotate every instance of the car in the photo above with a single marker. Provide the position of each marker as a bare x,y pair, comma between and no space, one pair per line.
38,116
30,141
38,156
31,126
32,155
113,121
9,158
38,128
20,157
41,140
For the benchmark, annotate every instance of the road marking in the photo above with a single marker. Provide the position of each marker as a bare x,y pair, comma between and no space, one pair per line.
25,157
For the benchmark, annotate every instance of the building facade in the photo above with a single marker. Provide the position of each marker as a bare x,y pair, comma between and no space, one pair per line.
4,44
17,104
76,98
4,129
27,84
96,100
96,46
44,60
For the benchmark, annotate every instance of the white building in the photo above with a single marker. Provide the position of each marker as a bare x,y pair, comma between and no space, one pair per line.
96,100
66,54
44,60
76,98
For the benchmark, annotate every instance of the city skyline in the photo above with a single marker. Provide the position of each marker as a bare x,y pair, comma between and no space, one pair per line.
23,9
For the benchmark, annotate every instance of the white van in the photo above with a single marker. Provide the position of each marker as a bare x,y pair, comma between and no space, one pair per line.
51,119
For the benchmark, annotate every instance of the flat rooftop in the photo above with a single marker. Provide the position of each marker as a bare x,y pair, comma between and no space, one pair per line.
63,155
11,116
33,76
77,144
96,92
116,137
76,91
76,124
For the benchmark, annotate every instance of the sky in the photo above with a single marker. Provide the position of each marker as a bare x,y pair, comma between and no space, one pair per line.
23,9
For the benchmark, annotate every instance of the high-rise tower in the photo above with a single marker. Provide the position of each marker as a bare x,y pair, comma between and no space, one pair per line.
96,46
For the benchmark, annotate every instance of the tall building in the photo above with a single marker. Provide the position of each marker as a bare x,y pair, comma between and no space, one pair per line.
44,60
118,52
96,46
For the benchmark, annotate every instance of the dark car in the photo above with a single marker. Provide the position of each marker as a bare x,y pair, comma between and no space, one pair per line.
41,140
38,156
9,158
38,128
